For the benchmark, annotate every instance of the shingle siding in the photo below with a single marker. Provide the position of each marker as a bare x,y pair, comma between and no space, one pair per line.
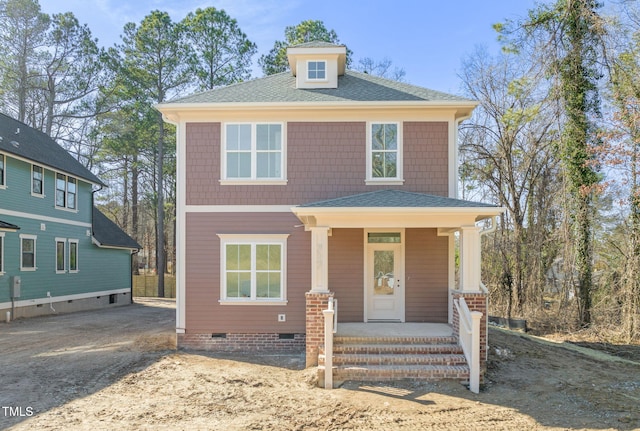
325,160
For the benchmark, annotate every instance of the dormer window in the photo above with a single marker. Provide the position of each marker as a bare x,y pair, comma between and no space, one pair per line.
316,70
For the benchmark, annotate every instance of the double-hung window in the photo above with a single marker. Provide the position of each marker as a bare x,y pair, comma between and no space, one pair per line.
66,255
1,253
253,269
384,153
73,255
3,179
37,181
316,70
253,153
66,191
60,255
28,252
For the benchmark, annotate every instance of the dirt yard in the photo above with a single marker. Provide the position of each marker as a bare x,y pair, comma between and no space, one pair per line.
117,369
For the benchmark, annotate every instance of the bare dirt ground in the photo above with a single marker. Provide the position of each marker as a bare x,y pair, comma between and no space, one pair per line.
117,369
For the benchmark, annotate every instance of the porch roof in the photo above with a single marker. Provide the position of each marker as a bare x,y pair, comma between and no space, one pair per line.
394,208
8,226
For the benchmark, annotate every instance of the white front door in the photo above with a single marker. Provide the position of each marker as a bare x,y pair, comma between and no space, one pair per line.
384,282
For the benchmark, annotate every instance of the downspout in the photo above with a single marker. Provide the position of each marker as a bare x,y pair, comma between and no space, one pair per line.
133,252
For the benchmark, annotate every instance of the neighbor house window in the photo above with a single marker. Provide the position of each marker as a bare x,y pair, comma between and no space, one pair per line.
73,255
253,152
316,70
384,152
1,253
28,252
3,180
60,254
66,191
253,269
37,180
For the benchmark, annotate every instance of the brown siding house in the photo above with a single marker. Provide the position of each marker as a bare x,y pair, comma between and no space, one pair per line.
316,185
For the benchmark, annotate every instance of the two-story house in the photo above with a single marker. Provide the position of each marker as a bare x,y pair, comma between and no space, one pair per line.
58,253
316,185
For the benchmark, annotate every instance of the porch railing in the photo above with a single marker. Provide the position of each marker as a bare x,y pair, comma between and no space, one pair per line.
330,328
469,336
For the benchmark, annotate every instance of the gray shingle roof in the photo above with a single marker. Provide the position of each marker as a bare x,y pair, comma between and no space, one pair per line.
8,226
109,234
316,44
396,199
36,146
352,87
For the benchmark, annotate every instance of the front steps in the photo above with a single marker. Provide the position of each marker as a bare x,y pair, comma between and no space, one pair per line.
395,358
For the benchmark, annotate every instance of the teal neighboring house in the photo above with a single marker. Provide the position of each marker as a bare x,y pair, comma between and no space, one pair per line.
58,253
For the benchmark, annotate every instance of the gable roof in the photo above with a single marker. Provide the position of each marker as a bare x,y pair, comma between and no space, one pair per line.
8,226
396,199
109,234
18,139
352,87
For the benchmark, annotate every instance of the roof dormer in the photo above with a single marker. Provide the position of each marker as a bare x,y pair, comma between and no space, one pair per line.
317,64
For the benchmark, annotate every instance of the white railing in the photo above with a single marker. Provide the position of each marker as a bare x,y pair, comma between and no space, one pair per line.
469,336
330,327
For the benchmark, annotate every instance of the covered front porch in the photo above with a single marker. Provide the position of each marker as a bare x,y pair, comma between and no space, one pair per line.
403,274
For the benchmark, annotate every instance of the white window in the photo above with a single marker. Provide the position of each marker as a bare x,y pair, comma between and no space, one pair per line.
28,252
253,269
73,255
37,181
384,153
253,153
1,253
3,171
60,255
66,192
316,70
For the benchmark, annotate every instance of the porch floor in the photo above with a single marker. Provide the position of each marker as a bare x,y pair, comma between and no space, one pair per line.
361,329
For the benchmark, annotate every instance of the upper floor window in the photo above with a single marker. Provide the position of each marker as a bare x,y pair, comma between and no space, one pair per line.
66,191
2,171
316,70
37,180
384,151
253,152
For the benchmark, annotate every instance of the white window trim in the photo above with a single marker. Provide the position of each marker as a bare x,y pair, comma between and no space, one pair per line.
3,174
35,252
224,180
279,239
76,242
37,195
399,179
326,74
66,192
64,256
2,253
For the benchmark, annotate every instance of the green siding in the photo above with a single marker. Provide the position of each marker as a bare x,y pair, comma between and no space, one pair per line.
98,269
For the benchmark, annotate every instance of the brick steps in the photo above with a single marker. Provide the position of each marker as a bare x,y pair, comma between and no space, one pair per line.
395,358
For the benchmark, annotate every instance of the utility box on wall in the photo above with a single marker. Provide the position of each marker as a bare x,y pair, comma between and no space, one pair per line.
14,284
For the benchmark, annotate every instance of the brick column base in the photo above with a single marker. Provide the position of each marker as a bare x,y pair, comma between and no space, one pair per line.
316,303
476,301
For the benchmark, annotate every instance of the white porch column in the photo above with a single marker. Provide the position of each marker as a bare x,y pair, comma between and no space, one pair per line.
320,259
470,258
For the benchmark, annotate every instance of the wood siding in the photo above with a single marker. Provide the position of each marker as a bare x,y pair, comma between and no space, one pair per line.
325,160
426,275
205,314
346,272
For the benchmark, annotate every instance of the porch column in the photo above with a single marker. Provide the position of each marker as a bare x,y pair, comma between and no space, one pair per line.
470,258
320,259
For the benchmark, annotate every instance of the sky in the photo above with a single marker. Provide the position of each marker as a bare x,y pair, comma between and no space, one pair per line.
426,38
